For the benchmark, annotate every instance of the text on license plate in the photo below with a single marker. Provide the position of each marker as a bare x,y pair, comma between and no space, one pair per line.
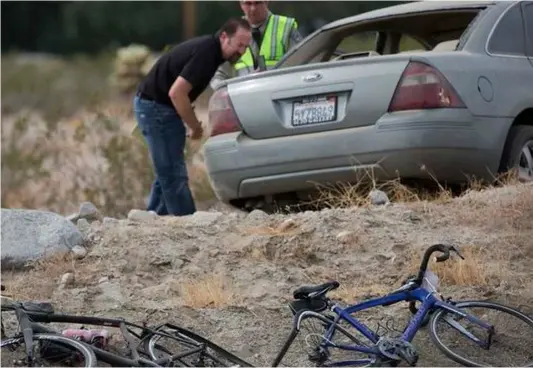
314,110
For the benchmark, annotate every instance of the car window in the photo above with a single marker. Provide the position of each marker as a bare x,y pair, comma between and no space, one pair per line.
528,17
408,43
361,41
508,36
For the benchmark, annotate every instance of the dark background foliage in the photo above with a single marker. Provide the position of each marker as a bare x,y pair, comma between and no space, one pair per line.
89,27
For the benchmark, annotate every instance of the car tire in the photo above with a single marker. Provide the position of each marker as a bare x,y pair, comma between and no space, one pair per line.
519,139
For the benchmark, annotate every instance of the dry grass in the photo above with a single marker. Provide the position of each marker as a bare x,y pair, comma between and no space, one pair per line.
43,276
91,157
481,266
210,291
66,140
347,195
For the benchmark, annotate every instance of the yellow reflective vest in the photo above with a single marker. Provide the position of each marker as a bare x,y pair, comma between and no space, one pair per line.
274,45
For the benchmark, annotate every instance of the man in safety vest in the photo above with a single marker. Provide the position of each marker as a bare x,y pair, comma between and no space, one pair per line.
272,36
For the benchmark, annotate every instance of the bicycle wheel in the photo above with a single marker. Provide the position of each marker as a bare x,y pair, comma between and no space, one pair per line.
181,340
310,333
53,350
511,336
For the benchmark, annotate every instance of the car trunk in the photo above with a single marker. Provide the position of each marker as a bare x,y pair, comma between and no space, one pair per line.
342,94
316,98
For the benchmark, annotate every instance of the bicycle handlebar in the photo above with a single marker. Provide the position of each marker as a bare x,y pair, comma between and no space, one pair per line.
443,248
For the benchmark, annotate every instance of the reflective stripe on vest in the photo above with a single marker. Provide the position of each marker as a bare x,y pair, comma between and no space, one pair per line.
273,46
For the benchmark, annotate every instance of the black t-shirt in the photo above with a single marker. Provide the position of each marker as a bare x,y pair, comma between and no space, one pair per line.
196,60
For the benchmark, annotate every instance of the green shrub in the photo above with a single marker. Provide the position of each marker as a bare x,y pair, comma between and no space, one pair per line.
132,63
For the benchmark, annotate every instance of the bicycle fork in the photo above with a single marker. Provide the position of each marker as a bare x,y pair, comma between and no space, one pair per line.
449,318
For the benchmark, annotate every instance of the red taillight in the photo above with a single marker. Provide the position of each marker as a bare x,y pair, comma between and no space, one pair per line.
222,117
423,87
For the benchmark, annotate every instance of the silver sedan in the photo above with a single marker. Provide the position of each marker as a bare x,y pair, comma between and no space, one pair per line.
426,89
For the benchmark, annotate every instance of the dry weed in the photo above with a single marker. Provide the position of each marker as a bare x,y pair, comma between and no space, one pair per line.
33,286
346,195
91,157
481,266
211,291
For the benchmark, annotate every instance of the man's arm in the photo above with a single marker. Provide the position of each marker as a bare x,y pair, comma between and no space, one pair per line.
224,71
179,95
180,89
294,36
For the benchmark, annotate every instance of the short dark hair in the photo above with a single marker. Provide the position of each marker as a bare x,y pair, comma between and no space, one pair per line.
232,24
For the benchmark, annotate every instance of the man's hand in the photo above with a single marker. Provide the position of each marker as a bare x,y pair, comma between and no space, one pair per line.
197,132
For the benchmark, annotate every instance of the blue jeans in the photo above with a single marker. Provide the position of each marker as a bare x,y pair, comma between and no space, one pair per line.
165,132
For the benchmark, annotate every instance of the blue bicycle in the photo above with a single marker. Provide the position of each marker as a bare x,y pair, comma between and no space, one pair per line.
475,331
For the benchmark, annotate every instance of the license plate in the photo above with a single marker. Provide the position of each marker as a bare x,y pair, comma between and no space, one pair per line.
314,110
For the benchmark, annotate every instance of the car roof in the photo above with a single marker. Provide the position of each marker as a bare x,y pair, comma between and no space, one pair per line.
409,8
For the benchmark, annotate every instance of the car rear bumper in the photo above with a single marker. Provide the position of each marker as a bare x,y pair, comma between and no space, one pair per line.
446,144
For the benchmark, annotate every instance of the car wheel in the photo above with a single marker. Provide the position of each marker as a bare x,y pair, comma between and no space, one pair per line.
518,152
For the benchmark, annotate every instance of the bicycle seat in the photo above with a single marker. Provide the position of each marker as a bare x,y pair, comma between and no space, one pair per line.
315,305
305,292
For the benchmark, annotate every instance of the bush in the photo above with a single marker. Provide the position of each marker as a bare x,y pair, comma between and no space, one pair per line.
66,139
91,157
132,63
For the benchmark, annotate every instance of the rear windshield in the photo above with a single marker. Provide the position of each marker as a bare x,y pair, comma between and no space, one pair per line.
442,30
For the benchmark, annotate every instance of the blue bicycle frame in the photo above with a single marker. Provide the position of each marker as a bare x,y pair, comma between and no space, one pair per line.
429,303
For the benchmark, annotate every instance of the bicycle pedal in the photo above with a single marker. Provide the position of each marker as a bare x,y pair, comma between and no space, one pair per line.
317,357
409,356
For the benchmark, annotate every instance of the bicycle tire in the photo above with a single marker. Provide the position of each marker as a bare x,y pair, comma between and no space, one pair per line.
149,346
295,331
480,304
87,353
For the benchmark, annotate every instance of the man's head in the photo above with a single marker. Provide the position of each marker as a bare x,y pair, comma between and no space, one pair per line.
235,36
256,11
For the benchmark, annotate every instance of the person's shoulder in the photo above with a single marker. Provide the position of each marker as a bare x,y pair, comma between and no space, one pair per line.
285,16
204,44
203,40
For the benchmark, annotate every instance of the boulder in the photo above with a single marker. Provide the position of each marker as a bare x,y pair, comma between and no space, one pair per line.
28,235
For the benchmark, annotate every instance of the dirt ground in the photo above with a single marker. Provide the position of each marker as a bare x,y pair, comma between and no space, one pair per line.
229,275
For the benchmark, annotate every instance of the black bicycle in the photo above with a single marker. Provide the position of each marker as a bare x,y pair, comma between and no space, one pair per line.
143,349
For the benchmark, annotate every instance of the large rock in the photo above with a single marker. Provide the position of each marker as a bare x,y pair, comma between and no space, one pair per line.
28,235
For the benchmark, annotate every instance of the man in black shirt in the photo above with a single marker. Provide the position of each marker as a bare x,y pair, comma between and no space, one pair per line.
163,102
